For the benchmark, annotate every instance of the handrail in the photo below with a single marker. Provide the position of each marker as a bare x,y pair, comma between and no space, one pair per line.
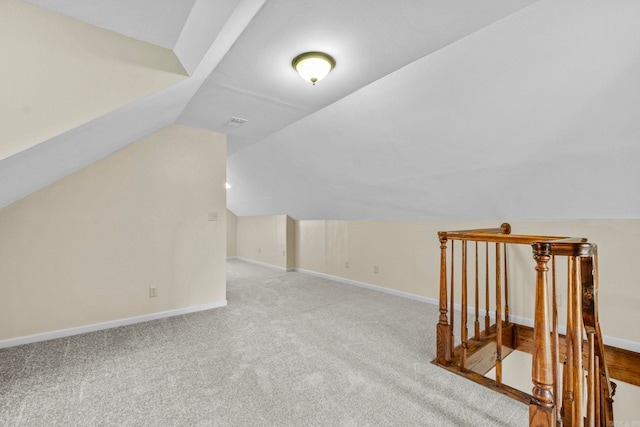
505,228
582,318
503,235
570,246
516,239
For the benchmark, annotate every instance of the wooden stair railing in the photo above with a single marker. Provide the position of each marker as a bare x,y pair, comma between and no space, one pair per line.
557,397
582,318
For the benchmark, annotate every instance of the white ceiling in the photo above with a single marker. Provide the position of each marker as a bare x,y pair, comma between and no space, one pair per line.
256,81
496,109
535,116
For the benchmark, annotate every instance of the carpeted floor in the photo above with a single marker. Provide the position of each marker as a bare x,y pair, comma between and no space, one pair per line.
289,350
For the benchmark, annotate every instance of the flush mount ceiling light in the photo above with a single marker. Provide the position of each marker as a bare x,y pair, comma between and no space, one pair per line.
313,66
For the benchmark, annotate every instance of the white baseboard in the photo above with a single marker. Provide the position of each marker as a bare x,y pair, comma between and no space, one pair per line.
609,340
390,291
12,342
264,264
621,343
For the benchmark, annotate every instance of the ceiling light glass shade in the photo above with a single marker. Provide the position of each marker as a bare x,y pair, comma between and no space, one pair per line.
313,66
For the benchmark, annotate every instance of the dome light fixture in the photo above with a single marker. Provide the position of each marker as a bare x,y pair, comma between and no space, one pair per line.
313,66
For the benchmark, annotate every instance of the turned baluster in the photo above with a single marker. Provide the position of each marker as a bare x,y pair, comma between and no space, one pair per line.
443,333
555,349
506,287
487,303
591,385
463,315
542,409
452,302
567,382
452,307
575,386
476,325
498,318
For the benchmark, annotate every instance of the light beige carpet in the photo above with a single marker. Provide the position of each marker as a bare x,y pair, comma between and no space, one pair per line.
289,350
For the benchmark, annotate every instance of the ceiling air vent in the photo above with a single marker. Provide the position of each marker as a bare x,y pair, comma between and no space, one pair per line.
236,122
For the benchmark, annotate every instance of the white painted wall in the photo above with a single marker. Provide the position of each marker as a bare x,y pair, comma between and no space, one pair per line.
407,254
232,234
264,239
85,249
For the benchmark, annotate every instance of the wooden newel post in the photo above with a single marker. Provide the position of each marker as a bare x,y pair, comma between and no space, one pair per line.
542,409
443,329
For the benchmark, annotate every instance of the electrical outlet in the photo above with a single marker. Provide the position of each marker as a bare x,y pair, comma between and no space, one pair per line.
213,216
153,291
346,264
375,269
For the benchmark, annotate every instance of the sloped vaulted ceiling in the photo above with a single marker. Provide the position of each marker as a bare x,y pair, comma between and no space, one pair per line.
436,109
31,167
535,116
58,73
